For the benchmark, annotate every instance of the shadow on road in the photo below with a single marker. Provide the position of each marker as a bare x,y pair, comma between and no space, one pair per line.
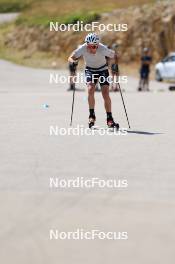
144,132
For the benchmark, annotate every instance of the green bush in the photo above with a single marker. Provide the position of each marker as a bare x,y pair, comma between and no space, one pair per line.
85,17
45,20
12,6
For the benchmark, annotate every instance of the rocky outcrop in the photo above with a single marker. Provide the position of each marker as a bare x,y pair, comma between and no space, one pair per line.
148,25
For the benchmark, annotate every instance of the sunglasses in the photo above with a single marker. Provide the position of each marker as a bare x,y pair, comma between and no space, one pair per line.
92,46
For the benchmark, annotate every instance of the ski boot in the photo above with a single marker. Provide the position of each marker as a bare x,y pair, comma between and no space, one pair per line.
92,120
112,124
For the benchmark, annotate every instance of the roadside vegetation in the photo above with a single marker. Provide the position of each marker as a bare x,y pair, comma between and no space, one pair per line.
40,12
35,13
7,6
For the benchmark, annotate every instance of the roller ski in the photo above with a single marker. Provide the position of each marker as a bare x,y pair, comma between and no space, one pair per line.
112,124
92,120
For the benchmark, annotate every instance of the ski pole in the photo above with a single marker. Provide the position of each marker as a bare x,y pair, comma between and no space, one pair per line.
72,106
124,105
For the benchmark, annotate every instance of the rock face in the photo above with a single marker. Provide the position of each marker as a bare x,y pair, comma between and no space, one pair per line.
150,26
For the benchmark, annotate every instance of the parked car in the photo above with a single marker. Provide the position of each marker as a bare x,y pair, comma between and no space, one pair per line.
165,70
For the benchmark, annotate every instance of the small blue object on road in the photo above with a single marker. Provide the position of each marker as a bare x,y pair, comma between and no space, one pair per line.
45,106
84,98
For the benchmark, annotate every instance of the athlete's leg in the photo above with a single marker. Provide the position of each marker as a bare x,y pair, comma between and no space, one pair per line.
91,83
91,101
107,100
106,97
107,103
91,97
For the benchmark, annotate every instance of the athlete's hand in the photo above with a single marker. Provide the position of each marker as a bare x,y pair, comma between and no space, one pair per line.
72,59
75,63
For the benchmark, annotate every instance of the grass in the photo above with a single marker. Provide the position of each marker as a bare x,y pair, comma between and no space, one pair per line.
86,17
7,6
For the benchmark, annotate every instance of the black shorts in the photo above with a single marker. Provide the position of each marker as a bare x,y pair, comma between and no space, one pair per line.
97,76
144,73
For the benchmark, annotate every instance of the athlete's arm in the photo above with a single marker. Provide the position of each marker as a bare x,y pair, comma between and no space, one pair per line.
114,64
112,58
72,58
76,54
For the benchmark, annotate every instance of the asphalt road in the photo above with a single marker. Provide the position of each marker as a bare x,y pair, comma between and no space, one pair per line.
30,156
